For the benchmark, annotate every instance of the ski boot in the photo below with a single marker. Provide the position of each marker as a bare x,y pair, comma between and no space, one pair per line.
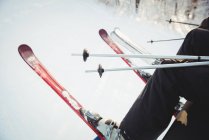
108,128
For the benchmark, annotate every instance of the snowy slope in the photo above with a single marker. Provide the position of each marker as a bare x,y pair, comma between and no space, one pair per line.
55,29
158,11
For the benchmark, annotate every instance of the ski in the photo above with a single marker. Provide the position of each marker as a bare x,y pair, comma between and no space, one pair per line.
105,36
29,57
132,46
130,43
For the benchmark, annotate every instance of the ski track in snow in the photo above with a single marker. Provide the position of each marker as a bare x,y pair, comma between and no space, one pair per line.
55,29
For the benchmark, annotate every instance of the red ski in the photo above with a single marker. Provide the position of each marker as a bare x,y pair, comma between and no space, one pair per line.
29,57
105,36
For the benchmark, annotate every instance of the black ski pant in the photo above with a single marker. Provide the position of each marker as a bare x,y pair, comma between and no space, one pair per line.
152,111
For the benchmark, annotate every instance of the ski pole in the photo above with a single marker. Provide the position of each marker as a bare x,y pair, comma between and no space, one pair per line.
198,58
152,41
170,21
101,70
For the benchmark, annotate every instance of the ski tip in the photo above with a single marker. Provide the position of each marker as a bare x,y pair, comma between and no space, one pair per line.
102,31
85,55
23,48
116,29
25,51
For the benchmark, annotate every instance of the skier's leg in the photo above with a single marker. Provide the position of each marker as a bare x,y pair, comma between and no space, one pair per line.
153,109
195,43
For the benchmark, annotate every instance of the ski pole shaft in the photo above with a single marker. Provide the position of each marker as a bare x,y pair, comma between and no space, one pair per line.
101,70
170,21
152,41
86,54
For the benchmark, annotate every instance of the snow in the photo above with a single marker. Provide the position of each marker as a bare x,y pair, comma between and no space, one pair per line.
55,29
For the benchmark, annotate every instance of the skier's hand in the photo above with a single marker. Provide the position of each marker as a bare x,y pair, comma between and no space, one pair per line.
182,117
